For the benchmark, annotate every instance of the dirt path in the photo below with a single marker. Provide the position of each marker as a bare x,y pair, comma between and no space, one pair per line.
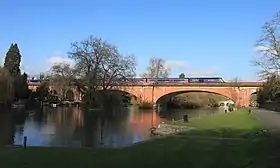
270,119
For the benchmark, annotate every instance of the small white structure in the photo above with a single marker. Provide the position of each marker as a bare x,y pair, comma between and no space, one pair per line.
225,104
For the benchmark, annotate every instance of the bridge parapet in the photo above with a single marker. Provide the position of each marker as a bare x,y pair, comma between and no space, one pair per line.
228,84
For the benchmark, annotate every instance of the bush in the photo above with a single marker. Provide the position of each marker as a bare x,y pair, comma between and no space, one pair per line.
103,99
270,91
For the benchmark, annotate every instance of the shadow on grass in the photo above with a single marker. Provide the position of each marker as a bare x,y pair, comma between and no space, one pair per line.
251,148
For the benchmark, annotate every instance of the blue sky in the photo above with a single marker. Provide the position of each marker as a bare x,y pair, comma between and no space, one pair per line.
197,37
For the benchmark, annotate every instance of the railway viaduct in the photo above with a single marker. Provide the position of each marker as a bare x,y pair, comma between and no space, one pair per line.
151,92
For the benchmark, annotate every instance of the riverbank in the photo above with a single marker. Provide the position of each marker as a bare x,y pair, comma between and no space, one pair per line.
221,140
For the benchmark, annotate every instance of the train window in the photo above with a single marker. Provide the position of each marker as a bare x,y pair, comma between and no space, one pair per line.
138,80
194,80
214,80
211,80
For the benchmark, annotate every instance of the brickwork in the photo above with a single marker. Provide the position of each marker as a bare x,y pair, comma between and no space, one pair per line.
153,92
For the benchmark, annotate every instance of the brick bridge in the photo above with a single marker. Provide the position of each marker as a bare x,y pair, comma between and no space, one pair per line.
152,92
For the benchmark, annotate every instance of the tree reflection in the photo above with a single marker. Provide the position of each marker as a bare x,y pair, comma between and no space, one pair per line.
102,123
66,126
7,129
89,128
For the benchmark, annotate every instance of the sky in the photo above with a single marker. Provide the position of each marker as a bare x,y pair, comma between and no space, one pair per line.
196,37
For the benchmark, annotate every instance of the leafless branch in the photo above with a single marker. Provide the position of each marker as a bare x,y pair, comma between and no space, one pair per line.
268,47
157,69
100,63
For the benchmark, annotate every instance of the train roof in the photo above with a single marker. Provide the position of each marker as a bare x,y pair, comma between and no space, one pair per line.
217,77
206,78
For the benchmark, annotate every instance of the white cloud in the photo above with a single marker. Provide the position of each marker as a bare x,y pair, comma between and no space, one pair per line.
265,49
59,59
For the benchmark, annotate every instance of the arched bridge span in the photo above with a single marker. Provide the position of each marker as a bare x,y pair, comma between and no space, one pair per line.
153,92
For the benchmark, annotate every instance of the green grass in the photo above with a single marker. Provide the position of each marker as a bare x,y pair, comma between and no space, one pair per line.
234,124
182,150
239,119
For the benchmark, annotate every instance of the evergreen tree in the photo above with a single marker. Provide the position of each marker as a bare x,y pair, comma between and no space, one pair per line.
6,87
12,60
12,64
21,87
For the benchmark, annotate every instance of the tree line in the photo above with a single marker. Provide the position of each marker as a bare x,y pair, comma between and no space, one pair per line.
97,63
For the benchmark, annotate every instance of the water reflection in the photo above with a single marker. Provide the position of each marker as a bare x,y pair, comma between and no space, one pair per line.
177,114
72,127
7,129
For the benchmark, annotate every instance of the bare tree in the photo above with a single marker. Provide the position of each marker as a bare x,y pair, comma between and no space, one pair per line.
62,76
116,68
157,69
101,67
269,48
100,63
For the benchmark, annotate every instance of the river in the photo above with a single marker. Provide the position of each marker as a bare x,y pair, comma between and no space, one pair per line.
73,127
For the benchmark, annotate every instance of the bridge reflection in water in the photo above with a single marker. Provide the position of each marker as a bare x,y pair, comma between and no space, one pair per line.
72,127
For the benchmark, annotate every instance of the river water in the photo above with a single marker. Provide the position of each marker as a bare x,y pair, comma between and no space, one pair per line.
73,127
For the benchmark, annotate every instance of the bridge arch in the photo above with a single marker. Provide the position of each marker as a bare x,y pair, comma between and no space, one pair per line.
252,97
189,91
226,92
252,91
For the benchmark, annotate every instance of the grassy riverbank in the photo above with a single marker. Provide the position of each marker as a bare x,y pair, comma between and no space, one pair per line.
208,146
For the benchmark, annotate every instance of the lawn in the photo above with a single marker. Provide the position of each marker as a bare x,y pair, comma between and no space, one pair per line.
208,146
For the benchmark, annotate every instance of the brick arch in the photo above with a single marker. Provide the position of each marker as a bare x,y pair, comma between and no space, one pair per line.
248,92
172,94
167,91
252,91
